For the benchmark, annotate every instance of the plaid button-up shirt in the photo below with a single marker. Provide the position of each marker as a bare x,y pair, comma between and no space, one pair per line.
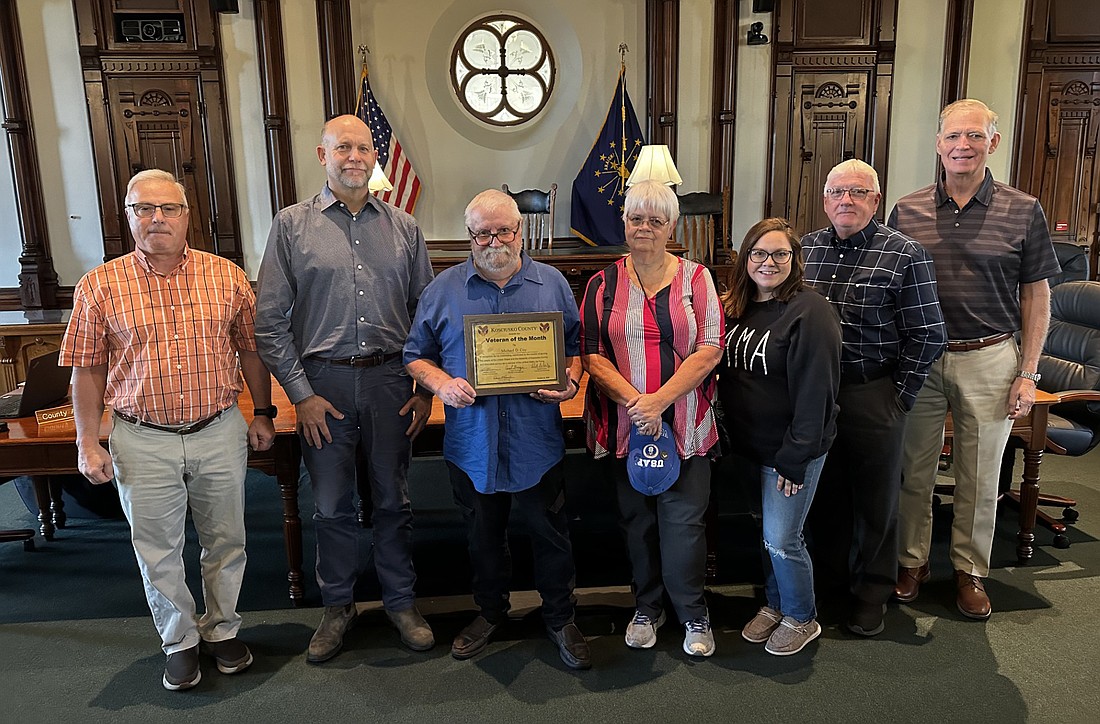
883,286
169,340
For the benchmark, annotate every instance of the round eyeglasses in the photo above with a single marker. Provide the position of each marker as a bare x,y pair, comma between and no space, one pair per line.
486,237
779,256
146,211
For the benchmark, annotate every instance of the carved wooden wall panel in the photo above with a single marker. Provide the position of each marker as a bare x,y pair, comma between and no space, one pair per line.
1059,120
842,22
831,124
159,105
1067,165
833,83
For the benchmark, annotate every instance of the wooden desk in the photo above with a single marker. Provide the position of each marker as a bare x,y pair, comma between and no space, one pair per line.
24,336
429,442
1031,431
27,449
577,264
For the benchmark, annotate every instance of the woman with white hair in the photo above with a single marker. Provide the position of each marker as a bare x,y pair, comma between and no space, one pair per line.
651,334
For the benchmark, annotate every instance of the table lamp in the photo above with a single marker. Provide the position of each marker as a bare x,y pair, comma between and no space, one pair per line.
378,181
655,163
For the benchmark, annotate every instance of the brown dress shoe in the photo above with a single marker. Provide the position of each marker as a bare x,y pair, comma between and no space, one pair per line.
909,580
472,639
972,601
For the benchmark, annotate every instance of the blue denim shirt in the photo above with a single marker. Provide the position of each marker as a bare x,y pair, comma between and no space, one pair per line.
505,443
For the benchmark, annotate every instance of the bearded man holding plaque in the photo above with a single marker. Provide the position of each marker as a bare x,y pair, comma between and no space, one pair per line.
504,448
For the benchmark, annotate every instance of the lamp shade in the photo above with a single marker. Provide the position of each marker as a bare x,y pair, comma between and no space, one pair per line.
655,163
378,181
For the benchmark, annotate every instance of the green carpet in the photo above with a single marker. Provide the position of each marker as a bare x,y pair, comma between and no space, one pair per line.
78,645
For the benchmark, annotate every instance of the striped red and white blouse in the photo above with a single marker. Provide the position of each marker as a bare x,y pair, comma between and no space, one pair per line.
647,340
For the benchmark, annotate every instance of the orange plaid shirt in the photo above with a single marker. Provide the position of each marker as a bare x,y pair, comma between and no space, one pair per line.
169,341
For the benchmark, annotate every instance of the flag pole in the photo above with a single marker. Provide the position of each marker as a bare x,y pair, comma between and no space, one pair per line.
622,107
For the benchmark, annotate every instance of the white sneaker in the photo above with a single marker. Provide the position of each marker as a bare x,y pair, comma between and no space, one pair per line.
641,632
698,637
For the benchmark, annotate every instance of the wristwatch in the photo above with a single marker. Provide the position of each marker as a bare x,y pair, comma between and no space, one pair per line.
1033,376
270,411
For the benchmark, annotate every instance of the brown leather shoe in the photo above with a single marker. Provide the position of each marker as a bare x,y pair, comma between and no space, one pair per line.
972,601
472,639
909,580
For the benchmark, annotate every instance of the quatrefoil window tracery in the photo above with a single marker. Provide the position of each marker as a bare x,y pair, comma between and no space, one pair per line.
502,70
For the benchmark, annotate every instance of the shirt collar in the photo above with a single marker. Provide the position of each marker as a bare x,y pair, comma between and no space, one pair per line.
984,195
859,238
527,272
328,200
145,264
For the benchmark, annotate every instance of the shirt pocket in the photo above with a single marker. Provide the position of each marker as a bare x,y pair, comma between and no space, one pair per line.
871,304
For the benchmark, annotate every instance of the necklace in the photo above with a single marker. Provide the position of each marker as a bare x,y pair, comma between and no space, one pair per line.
660,266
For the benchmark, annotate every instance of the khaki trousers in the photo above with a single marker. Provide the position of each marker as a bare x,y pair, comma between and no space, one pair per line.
974,387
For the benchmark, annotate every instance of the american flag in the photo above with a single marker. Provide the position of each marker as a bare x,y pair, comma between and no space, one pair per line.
395,164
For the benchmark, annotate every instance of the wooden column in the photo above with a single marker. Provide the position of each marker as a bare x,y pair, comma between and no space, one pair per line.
662,71
956,50
272,57
37,278
337,57
724,96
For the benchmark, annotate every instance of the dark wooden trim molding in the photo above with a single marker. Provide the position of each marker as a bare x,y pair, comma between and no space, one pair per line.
956,50
269,42
724,96
662,71
337,57
37,278
10,300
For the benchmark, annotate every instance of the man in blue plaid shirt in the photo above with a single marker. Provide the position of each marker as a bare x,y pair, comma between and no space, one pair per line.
882,285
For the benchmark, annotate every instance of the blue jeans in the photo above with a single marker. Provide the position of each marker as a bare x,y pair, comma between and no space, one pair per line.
788,572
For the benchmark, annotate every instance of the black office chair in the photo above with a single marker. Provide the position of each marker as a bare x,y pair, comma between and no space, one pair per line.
1074,260
26,535
1070,366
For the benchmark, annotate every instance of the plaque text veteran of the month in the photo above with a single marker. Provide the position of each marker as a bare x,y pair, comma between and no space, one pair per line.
513,353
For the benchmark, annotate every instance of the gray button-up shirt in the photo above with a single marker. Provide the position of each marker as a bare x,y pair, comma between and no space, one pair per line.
333,284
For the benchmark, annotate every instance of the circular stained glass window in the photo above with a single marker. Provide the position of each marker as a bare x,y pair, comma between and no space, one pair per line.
502,70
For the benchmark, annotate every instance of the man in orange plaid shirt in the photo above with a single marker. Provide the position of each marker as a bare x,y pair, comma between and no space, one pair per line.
162,335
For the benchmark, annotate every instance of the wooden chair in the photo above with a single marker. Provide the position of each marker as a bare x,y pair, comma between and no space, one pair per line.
703,228
537,210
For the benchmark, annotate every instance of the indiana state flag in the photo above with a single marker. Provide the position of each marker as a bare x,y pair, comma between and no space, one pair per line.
600,187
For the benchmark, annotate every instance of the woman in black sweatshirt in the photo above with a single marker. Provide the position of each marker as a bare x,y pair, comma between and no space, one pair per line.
778,385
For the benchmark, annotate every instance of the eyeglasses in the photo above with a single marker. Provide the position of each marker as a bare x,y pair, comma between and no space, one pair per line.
779,256
146,211
654,222
856,194
486,237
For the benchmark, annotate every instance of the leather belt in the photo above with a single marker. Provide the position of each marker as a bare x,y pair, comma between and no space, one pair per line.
855,376
366,360
177,429
969,345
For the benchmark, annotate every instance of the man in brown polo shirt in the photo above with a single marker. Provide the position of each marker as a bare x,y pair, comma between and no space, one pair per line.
993,256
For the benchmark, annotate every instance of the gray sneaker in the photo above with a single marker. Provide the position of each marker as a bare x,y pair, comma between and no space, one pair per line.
329,637
641,632
231,655
790,636
415,631
698,637
181,670
759,629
